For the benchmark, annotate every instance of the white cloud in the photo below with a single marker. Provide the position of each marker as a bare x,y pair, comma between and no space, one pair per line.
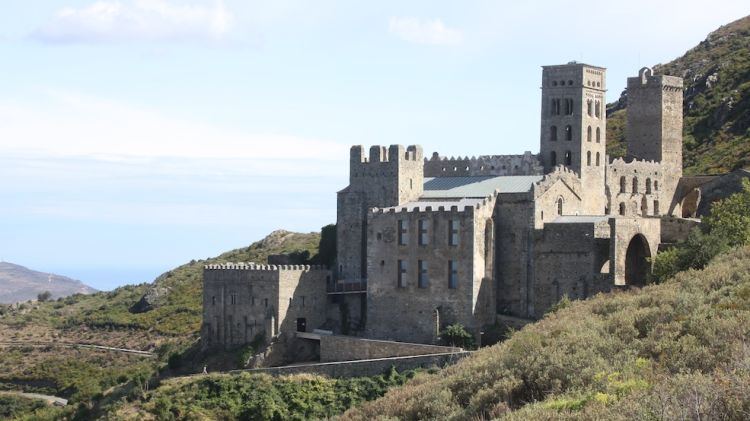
424,31
137,20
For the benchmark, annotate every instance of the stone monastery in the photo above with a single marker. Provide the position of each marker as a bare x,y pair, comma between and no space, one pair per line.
424,242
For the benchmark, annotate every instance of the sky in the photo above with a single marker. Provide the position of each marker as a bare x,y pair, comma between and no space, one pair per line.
136,135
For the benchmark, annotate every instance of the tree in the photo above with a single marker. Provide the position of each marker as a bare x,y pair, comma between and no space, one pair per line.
456,335
730,217
44,296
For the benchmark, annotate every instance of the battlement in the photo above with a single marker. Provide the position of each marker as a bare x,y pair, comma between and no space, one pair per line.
484,165
647,79
560,172
378,154
250,266
645,164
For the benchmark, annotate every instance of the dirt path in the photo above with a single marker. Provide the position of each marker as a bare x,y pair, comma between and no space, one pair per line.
76,345
52,400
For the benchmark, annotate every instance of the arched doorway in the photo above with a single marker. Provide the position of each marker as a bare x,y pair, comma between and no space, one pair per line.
636,261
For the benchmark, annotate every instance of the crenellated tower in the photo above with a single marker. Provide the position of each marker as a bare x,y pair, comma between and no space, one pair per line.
574,124
386,177
654,127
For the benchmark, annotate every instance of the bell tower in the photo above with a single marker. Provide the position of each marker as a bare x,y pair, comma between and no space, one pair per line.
574,124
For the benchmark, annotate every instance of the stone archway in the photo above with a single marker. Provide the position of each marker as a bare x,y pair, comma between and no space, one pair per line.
637,266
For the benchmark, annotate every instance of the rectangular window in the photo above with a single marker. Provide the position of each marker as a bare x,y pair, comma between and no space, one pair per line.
252,301
422,272
452,274
453,226
233,299
265,302
402,268
403,232
424,238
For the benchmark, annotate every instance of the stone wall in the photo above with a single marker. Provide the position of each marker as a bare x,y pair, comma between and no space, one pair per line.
636,188
388,177
654,128
411,313
675,229
241,301
363,368
627,232
570,259
485,165
514,218
347,348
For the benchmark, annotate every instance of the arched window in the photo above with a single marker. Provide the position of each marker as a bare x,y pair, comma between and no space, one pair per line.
568,132
588,158
560,206
590,108
598,109
555,108
622,184
648,186
598,135
622,209
568,107
597,159
635,184
656,207
568,158
656,185
553,133
553,158
588,134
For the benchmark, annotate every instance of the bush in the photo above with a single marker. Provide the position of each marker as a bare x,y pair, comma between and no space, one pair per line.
727,226
456,335
43,296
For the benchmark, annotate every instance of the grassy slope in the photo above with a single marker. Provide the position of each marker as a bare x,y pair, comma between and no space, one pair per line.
103,318
716,117
255,397
676,350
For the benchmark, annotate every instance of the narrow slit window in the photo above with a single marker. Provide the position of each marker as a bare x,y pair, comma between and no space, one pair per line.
424,237
403,232
453,231
452,274
422,273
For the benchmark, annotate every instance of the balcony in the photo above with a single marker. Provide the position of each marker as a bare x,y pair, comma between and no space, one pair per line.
347,287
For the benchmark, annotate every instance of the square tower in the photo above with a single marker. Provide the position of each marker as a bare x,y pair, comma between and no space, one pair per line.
654,128
386,177
574,123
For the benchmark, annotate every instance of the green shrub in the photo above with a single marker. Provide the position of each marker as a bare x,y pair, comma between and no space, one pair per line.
456,335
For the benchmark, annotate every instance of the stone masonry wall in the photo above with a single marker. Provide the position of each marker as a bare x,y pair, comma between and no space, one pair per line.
387,177
485,165
636,188
363,368
243,300
347,348
408,312
570,259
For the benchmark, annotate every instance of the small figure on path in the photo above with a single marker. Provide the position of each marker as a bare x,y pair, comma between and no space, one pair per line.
205,369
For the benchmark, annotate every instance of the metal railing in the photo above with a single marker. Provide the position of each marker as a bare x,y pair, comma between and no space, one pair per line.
342,286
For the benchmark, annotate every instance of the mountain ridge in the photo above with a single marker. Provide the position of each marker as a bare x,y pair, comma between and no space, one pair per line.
19,283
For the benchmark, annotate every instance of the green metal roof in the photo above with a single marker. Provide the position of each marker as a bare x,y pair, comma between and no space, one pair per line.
479,186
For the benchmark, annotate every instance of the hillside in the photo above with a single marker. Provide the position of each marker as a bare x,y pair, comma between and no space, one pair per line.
113,319
18,283
716,105
672,351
